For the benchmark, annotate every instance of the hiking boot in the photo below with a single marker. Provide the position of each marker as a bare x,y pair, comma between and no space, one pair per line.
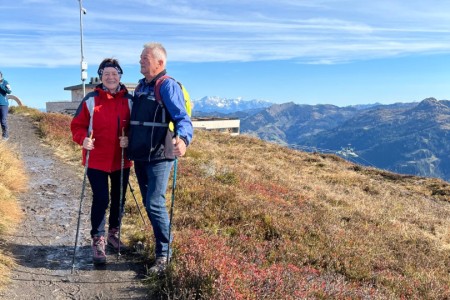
113,240
159,266
98,250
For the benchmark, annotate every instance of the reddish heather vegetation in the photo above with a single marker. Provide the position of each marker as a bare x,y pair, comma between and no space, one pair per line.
254,220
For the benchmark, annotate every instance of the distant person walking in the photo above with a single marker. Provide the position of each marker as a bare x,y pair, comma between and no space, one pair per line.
98,125
153,147
4,106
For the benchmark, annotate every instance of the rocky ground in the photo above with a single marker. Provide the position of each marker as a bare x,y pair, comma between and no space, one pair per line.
44,242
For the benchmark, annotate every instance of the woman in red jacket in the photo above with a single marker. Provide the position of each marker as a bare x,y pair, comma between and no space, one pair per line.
99,126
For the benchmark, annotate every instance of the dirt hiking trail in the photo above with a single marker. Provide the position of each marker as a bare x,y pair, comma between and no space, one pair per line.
44,242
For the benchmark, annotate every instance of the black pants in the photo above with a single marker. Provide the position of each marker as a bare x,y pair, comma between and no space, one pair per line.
100,199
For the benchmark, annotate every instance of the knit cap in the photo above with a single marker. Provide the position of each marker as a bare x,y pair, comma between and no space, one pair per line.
108,64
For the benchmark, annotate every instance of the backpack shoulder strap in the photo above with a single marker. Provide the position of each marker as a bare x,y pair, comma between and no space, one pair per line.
130,101
90,103
157,90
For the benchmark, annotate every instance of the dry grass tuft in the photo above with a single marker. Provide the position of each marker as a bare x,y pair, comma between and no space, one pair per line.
12,174
55,130
6,264
26,111
10,213
13,180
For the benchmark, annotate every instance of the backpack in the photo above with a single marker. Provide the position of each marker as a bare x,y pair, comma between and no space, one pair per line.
151,131
187,98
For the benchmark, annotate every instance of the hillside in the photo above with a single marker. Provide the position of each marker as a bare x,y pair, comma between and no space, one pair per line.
409,138
255,220
353,229
290,123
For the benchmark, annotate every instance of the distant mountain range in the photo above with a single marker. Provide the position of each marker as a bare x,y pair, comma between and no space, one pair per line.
409,138
222,106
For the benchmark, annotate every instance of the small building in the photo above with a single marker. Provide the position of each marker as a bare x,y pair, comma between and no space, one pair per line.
69,107
225,125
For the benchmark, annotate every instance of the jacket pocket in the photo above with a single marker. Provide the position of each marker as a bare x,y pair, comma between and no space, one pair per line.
144,140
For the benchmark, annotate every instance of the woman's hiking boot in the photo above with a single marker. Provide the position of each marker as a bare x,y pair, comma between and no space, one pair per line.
113,240
98,250
159,266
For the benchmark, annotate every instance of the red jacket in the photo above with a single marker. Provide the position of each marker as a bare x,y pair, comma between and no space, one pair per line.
111,113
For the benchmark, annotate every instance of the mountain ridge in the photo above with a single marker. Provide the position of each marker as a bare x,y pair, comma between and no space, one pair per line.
409,138
222,106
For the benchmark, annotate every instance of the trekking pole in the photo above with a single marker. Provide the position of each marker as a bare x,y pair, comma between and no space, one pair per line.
175,164
81,204
121,196
137,204
142,216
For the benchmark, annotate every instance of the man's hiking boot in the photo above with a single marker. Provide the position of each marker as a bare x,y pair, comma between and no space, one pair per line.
98,250
159,266
113,240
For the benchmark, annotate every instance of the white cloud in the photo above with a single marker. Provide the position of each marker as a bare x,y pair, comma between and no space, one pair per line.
47,33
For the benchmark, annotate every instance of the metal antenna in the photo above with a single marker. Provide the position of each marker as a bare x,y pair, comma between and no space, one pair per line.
83,11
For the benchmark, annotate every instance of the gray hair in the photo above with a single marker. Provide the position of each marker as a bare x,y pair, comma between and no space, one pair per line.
158,51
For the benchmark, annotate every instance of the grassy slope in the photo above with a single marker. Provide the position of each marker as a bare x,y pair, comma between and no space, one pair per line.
379,232
255,220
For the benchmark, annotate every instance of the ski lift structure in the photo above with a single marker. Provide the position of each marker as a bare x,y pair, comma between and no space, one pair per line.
347,152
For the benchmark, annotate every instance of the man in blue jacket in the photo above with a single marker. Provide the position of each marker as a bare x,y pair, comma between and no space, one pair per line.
4,90
153,146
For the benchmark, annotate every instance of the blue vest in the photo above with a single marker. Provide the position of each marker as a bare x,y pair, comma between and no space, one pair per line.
149,138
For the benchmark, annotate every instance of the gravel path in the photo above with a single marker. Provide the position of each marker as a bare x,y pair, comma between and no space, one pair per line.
44,242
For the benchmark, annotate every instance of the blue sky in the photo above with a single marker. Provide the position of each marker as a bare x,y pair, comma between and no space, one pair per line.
340,52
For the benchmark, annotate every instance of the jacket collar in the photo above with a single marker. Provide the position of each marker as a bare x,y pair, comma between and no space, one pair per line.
153,81
122,90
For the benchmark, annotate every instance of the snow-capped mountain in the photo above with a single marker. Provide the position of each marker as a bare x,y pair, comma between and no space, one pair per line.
214,104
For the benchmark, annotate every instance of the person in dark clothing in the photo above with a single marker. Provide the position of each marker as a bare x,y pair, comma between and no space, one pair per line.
153,147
